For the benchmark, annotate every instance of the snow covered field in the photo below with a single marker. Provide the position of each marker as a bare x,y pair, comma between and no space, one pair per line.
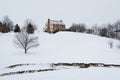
63,47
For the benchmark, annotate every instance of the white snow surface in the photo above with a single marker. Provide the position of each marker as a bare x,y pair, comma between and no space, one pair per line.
62,47
56,22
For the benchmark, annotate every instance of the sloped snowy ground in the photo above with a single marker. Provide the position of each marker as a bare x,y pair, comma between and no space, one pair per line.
70,74
66,47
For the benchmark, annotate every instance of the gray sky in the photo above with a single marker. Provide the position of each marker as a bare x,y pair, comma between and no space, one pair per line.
70,11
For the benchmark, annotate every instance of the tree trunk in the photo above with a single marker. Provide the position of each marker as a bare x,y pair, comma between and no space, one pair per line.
25,50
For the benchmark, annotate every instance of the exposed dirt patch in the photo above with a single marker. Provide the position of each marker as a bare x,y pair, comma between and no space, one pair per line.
86,65
56,66
81,65
25,72
17,65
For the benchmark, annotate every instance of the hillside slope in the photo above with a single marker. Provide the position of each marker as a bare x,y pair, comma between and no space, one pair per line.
65,47
60,47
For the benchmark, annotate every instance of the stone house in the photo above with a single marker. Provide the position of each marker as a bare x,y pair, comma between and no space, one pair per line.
53,26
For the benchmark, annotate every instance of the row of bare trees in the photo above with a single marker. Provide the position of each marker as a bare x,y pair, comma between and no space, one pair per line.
108,30
78,28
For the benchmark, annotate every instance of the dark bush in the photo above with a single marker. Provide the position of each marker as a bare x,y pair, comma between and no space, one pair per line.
78,28
17,28
103,32
30,28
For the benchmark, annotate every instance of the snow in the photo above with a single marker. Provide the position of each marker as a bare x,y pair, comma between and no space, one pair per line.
66,47
73,74
56,22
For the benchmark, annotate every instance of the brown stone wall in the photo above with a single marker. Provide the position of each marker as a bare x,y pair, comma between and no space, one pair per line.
58,27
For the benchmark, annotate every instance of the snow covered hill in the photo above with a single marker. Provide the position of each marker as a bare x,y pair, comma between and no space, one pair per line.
65,47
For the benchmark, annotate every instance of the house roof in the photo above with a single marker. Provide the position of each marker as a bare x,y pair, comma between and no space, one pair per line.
56,22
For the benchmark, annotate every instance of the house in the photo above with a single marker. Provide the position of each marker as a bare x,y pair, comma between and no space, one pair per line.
53,26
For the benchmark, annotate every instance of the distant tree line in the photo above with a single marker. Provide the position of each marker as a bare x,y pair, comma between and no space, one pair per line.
6,25
108,30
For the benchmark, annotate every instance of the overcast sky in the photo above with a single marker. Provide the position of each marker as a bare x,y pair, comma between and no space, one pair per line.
70,11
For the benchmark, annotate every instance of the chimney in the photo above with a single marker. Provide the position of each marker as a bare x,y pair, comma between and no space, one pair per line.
48,25
60,20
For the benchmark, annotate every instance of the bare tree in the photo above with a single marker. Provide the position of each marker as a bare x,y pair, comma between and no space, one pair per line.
8,22
103,31
117,25
26,41
95,29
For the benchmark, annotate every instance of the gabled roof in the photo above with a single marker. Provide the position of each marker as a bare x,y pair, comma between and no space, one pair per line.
56,22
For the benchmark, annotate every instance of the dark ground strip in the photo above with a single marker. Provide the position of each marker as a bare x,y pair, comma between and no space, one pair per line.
17,65
25,72
80,65
86,65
